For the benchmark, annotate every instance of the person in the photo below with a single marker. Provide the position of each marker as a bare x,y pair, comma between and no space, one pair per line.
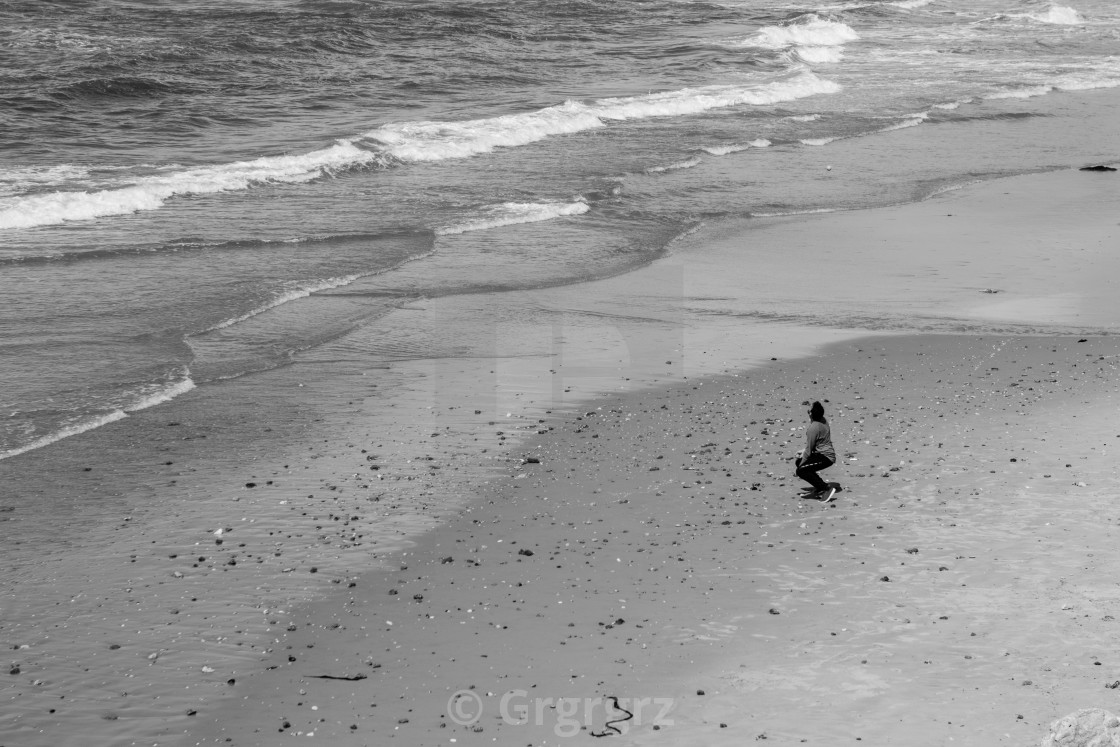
817,455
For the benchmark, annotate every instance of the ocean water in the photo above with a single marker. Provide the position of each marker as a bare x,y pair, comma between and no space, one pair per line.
175,174
207,208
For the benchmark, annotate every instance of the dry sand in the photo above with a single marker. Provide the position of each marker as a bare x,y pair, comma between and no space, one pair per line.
961,590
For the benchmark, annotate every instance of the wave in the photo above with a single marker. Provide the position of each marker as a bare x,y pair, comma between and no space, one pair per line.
151,397
695,161
1059,15
809,39
810,31
438,141
151,192
818,55
723,150
513,213
288,295
15,180
409,142
911,120
1066,83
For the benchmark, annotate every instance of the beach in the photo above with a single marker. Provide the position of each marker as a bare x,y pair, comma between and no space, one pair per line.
959,591
652,546
383,373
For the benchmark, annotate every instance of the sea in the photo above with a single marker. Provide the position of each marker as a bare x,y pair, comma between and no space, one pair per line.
215,216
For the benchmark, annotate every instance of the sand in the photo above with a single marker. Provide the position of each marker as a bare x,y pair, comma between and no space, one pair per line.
960,590
655,550
652,546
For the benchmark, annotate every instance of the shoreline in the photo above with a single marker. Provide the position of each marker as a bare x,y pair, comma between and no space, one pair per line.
687,321
666,586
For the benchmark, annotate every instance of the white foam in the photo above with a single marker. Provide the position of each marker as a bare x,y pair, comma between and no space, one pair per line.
814,31
690,163
803,118
912,120
17,179
723,150
151,192
156,395
1066,83
409,141
72,430
812,211
162,394
818,55
292,293
910,4
817,141
437,141
1059,15
513,213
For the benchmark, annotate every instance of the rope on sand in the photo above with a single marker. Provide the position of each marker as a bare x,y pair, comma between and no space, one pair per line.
610,725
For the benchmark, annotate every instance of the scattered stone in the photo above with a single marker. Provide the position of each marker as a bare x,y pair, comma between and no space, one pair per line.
526,553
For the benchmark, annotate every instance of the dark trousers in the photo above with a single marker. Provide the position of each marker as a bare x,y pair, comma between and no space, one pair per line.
808,468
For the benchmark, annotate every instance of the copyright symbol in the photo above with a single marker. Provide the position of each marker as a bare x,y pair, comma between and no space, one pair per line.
464,707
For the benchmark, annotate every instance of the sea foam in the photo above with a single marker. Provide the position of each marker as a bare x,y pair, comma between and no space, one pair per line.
514,213
723,150
437,141
293,293
151,192
813,31
152,396
408,142
691,162
1059,15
